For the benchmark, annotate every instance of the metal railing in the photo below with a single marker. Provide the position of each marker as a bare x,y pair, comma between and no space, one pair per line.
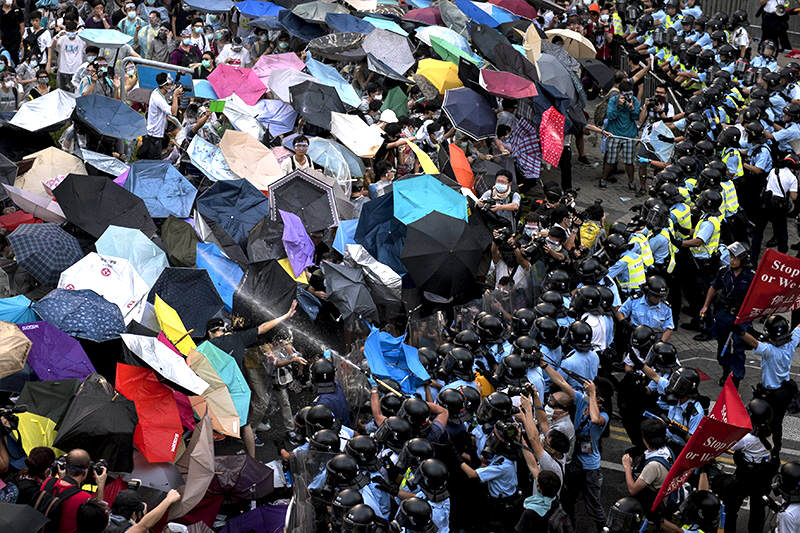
149,63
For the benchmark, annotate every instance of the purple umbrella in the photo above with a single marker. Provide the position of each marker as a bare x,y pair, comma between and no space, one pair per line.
55,355
298,245
269,518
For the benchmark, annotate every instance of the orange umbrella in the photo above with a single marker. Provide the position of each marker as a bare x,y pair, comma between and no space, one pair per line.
461,168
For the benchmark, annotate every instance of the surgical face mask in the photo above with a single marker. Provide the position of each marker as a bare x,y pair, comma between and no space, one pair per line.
9,2
501,187
90,59
378,97
283,45
154,23
71,34
604,17
262,37
212,18
33,62
206,63
150,2
130,71
187,41
10,83
197,29
236,49
549,411
103,70
131,15
219,35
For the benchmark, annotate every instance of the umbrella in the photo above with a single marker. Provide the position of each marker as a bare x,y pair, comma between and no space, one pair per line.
44,250
321,151
258,8
397,101
21,518
461,167
208,159
267,518
453,17
110,117
384,283
13,220
347,23
55,355
250,159
158,476
227,80
416,197
265,241
451,53
225,274
210,6
309,195
16,144
159,429
104,163
277,116
470,113
240,478
197,465
265,292
506,84
317,11
216,401
93,203
385,23
282,80
651,140
380,233
476,14
379,67
168,364
235,205
172,326
553,73
17,309
38,206
299,28
105,38
442,253
328,75
443,75
47,164
391,49
575,44
424,34
486,39
81,313
127,243
428,15
598,70
315,102
14,348
228,370
113,278
36,430
164,190
520,8
48,110
346,289
345,234
8,173
191,293
356,135
298,245
268,63
49,399
210,231
101,422
551,135
203,89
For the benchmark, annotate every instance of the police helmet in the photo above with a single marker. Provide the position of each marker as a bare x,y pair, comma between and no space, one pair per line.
696,103
526,346
755,132
777,330
657,217
642,338
390,404
363,449
688,165
619,228
739,18
664,357
787,482
701,508
626,515
586,300
472,398
792,110
545,309
494,407
579,336
453,401
319,417
490,329
502,440
393,433
522,320
656,286
684,148
606,299
730,137
342,502
467,339
300,422
759,93
740,251
706,60
324,440
772,79
427,357
341,472
415,412
433,476
760,412
616,245
682,383
701,22
720,36
414,516
555,299
556,280
644,23
459,363
512,370
590,271
547,332
704,149
670,194
414,452
323,375
359,519
709,202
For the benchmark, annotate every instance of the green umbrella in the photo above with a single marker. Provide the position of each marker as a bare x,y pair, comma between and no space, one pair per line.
397,101
450,53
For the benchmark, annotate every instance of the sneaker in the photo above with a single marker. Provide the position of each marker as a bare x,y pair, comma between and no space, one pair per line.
584,160
264,426
603,184
259,442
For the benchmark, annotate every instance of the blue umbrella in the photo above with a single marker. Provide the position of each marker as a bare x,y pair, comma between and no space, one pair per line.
128,243
478,15
386,24
380,233
278,116
17,309
225,274
268,22
209,160
257,8
416,197
390,357
344,23
105,38
164,190
229,372
345,234
203,89
328,75
235,205
110,117
419,4
44,250
297,27
470,113
81,313
209,6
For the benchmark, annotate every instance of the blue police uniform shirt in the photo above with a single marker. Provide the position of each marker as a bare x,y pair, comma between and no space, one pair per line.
704,41
777,104
564,321
764,62
609,329
776,360
659,16
728,68
585,364
499,351
500,475
679,413
553,358
377,499
760,157
787,135
694,11
658,317
619,270
590,459
480,438
536,378
420,391
680,124
336,402
659,245
733,162
460,383
318,481
704,233
661,386
731,289
441,512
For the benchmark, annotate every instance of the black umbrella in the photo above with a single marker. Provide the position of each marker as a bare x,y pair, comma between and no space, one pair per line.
485,39
507,58
315,102
49,399
16,143
299,28
338,46
21,518
347,290
442,253
100,421
265,241
220,237
95,202
180,241
266,291
598,70
8,174
240,478
309,195
191,293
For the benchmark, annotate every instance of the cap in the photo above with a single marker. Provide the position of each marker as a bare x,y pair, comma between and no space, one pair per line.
216,323
388,116
595,8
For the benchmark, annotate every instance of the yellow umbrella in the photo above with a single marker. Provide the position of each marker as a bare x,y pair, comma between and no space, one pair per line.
173,327
424,160
36,430
216,400
442,74
287,266
575,44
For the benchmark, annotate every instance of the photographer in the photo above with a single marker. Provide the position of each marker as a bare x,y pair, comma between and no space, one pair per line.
101,81
72,474
501,200
654,109
622,112
549,249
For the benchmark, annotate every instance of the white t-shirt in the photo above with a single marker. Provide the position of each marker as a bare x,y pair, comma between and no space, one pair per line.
565,426
290,164
157,113
45,39
770,6
788,182
752,448
70,54
740,38
599,332
234,59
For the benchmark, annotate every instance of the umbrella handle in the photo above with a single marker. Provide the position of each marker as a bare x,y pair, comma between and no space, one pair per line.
184,336
388,387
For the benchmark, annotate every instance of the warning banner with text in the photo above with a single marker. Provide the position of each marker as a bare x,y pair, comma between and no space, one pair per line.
775,287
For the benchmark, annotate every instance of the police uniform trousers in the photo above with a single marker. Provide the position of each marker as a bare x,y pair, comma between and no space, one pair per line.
751,480
732,357
779,400
774,28
698,275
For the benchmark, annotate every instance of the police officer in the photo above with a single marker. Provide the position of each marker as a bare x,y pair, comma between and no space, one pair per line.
776,348
328,390
757,166
700,512
788,486
492,333
658,222
650,309
626,515
582,362
628,268
684,410
790,131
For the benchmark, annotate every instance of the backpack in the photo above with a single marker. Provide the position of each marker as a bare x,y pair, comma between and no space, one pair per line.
49,503
559,521
31,45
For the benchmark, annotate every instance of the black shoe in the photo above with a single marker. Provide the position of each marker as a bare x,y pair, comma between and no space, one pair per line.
795,246
691,326
584,160
702,337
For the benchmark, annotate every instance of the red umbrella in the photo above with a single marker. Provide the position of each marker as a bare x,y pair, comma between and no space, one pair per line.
520,8
10,221
461,167
227,80
551,132
428,15
159,429
506,84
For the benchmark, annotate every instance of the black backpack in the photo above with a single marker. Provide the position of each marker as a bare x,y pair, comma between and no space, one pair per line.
31,45
49,503
559,521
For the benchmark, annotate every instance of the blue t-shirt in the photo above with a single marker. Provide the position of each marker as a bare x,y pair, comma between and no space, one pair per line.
585,364
588,455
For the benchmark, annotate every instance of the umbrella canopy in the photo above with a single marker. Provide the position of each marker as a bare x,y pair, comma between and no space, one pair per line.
347,23
191,293
265,241
265,292
103,163
241,478
17,309
553,73
250,159
267,518
278,117
210,231
227,80
113,278
225,274
470,113
110,117
44,250
384,284
453,17
210,6
520,8
356,135
101,422
269,63
228,370
424,34
8,172
380,233
236,206
346,289
328,75
164,190
55,355
21,518
48,110
345,234
443,75
329,155
127,243
416,197
105,38
428,15
172,327
442,253
652,140
197,465
168,364
460,165
298,245
93,203
208,159
299,28
49,399
317,11
575,44
158,476
602,74
38,206
309,195
315,102
506,85
474,12
258,8
391,49
159,429
81,313
14,348
282,80
47,164
451,53
216,401
180,242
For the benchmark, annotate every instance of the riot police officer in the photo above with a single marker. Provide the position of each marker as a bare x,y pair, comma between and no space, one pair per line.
626,515
700,512
328,390
650,309
628,268
788,486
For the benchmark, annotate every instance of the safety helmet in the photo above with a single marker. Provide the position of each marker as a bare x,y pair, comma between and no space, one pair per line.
432,476
755,132
701,21
555,299
688,19
459,363
393,433
341,504
644,23
709,202
467,339
427,357
704,149
760,412
772,79
414,516
720,36
579,336
759,93
390,404
727,53
522,320
590,271
472,398
696,103
525,345
512,370
545,309
556,280
363,449
688,165
324,440
791,161
586,300
494,407
670,194
705,60
341,472
416,413
709,177
453,401
777,331
626,515
792,110
319,417
415,451
547,332
323,375
683,148
739,18
713,94
664,357
730,137
300,423
616,245
642,338
443,349
682,383
656,286
701,508
503,440
606,299
657,217
490,329
359,519
787,482
786,73
619,228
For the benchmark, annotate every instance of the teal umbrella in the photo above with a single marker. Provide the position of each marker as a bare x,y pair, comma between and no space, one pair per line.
416,197
229,372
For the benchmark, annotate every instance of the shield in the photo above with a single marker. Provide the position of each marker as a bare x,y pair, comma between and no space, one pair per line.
277,116
250,159
101,422
391,49
241,478
575,44
506,85
127,243
164,190
47,164
269,63
105,38
38,206
265,241
46,111
227,80
356,135
442,75
309,195
236,206
113,278
216,401
427,15
347,290
55,355
14,348
416,197
197,465
328,75
93,203
315,102
298,245
265,292
599,71
380,233
470,113
17,309
208,159
44,250
81,313
225,274
21,518
110,117
317,11
299,28
442,254
191,293
282,80
169,365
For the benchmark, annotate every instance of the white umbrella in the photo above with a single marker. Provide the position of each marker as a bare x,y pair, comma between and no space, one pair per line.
45,111
167,363
576,44
281,80
36,205
362,139
243,116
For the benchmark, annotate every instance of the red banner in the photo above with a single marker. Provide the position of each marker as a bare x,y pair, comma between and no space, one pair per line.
775,287
727,423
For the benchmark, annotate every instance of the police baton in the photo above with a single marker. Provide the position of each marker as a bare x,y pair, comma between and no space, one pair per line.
369,375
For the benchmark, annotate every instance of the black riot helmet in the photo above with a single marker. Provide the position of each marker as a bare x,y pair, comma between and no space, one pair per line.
682,383
494,407
755,132
670,194
459,364
472,398
606,299
792,110
657,217
704,149
587,300
556,280
432,479
341,472
644,23
701,508
683,148
555,299
416,413
776,330
579,336
619,228
772,79
359,519
323,375
697,131
300,423
393,433
787,482
443,349
730,137
490,329
503,440
427,358
390,404
688,165
720,36
414,452
750,114
664,357
760,412
705,60
453,401
324,440
727,53
709,177
364,450
709,202
343,501
522,321
625,516
511,370
656,287
319,417
642,338
739,18
616,245
545,309
591,271
414,516
759,93
467,339
547,332
526,346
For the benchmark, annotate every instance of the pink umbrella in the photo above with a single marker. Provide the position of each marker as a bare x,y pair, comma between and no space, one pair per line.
227,80
269,62
520,8
506,84
551,131
428,15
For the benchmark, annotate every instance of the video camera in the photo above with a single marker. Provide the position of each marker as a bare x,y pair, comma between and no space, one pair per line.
10,414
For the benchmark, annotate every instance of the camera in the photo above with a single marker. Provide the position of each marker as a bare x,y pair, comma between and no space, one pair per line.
99,466
9,413
489,202
535,249
524,390
502,235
